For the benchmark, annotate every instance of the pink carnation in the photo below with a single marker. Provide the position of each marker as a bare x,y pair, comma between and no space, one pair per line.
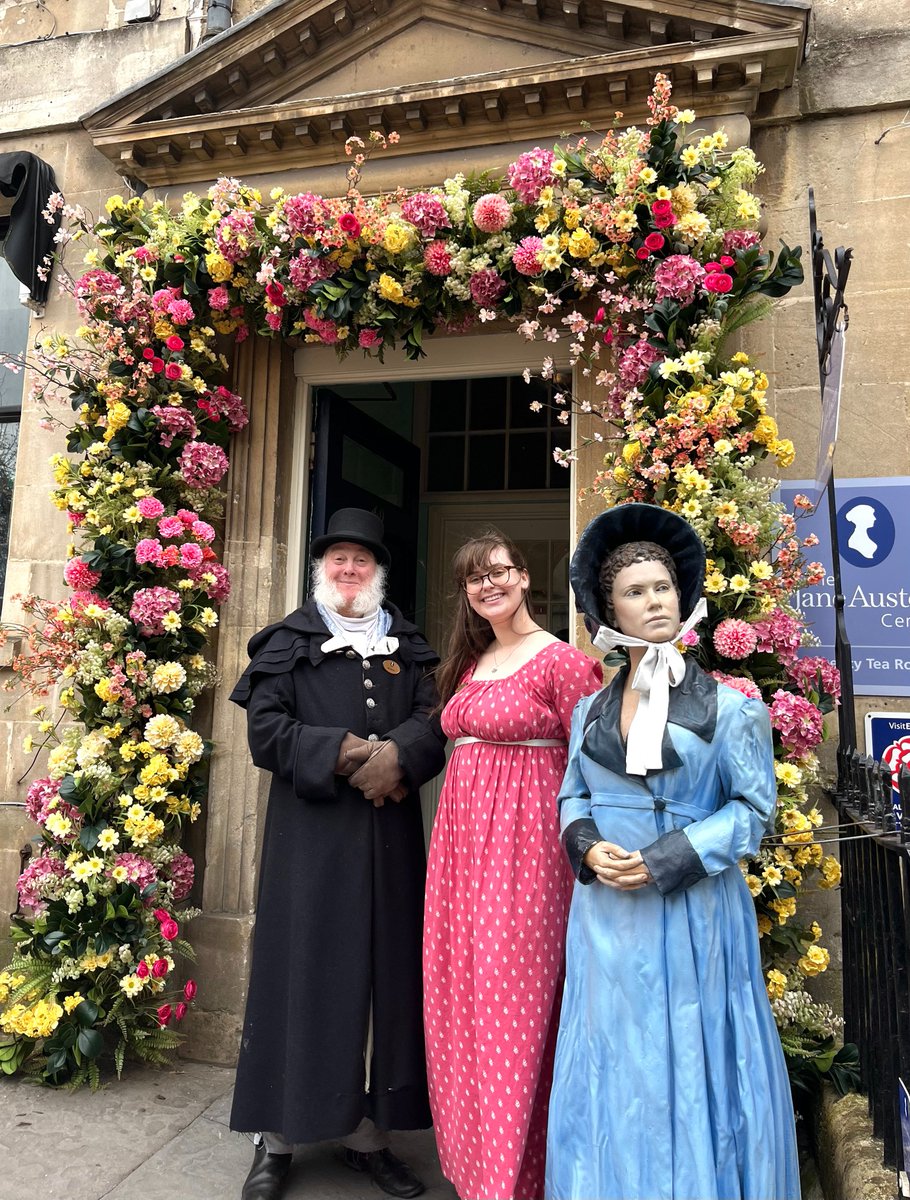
531,173
677,277
367,338
492,213
798,722
734,638
487,287
203,464
436,258
181,312
187,516
190,555
203,531
149,608
150,508
79,576
219,299
170,527
149,550
739,683
426,212
527,255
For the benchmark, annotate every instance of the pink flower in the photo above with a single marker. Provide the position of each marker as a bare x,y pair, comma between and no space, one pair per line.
164,1015
655,241
642,253
224,403
79,576
174,342
426,212
677,277
203,531
368,338
42,880
487,287
662,214
40,799
734,638
527,256
436,258
169,930
159,966
143,970
492,213
203,464
798,722
273,320
739,683
181,312
161,914
219,299
172,371
779,634
174,422
170,527
274,293
180,1010
349,224
305,214
149,550
190,555
148,354
690,638
636,360
189,990
531,173
187,516
150,508
157,365
816,675
740,239
139,870
149,607
718,281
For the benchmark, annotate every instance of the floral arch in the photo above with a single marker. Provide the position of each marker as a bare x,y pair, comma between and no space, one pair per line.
640,249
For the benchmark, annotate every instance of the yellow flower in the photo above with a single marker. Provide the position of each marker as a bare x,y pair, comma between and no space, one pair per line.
722,446
830,873
777,983
108,838
784,451
788,774
739,583
764,924
814,961
390,289
685,116
648,176
581,244
772,875
715,583
171,621
397,237
625,220
131,984
690,157
760,569
754,884
72,1002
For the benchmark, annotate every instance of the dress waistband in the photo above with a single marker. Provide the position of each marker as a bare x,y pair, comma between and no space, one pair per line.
680,808
469,741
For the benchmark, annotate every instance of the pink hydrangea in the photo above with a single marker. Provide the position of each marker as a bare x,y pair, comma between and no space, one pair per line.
677,277
149,608
174,423
531,173
798,722
219,299
740,239
816,674
40,880
203,464
492,213
149,550
734,638
170,527
426,212
139,871
326,329
227,404
41,798
181,872
436,258
739,683
635,362
527,256
80,576
190,555
235,234
305,214
487,287
202,531
307,268
779,634
220,589
150,508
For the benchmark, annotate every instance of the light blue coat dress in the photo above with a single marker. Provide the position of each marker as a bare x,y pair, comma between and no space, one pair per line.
670,1081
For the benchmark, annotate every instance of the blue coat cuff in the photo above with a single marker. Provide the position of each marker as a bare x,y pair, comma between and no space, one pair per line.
673,863
577,840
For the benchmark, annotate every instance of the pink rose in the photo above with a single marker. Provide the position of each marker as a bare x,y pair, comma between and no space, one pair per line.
349,224
148,353
655,241
143,970
164,1015
169,930
172,371
642,253
189,989
180,1011
161,914
174,342
718,281
159,968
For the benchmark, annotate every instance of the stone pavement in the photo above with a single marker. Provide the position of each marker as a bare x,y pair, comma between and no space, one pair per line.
161,1135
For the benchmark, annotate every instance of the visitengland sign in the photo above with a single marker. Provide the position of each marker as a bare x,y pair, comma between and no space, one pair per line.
873,529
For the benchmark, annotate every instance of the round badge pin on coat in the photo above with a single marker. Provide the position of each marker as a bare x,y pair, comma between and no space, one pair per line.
391,666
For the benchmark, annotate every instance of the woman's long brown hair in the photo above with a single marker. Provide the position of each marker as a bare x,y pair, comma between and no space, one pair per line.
470,633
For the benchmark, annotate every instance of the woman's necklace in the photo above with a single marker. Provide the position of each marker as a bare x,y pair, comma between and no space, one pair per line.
494,670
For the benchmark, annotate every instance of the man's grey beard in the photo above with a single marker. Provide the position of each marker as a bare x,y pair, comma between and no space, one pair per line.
367,600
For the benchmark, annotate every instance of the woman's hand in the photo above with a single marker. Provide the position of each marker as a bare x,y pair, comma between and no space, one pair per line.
617,868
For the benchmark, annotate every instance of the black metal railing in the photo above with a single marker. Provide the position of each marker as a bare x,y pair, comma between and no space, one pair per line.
875,907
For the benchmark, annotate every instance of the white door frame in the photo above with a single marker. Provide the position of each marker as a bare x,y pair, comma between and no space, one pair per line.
446,358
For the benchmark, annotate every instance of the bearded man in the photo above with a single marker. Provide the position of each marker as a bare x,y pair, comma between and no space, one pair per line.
340,701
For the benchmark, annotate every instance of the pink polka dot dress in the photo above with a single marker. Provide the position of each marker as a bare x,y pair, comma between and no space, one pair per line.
498,890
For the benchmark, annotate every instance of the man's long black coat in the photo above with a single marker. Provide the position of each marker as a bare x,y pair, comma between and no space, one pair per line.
340,910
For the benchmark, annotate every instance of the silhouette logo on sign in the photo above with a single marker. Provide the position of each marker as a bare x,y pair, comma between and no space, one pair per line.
865,531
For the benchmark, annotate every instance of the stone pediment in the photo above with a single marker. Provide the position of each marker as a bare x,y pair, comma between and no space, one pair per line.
286,86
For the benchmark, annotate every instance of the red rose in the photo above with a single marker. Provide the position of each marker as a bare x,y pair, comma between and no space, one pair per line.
662,208
712,266
180,1011
274,293
157,365
169,930
664,220
642,253
189,989
159,968
349,223
143,970
719,281
727,261
148,353
655,241
174,342
164,1015
172,371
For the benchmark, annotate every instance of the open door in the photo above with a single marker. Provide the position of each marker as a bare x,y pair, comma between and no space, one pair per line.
360,463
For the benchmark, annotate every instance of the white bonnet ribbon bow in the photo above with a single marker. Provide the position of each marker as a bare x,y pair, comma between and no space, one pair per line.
661,668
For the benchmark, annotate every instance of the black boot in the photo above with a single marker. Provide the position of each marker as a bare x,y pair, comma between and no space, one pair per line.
387,1171
267,1175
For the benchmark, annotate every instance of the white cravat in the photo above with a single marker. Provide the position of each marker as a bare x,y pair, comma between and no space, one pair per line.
661,668
365,635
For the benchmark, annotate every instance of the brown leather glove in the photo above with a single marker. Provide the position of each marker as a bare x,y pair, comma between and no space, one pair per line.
381,774
353,752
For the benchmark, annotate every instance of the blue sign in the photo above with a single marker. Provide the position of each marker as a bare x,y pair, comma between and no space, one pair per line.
888,741
874,535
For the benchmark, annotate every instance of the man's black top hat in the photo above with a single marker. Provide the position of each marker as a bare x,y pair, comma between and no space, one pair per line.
636,523
353,525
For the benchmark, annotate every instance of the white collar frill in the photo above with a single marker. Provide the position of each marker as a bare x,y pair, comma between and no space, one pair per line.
661,668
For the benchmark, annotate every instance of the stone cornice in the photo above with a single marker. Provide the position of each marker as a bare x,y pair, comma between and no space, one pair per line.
717,77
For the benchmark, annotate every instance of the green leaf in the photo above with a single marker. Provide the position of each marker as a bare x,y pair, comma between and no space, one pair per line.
90,1042
86,1013
89,834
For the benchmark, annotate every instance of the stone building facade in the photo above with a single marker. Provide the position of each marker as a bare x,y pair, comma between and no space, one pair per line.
152,96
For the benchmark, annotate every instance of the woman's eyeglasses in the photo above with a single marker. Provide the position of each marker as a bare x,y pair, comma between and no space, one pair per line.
498,575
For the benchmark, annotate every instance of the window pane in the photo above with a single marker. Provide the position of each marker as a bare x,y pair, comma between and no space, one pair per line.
445,465
488,404
486,462
448,405
13,335
559,476
523,396
528,460
372,472
9,438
